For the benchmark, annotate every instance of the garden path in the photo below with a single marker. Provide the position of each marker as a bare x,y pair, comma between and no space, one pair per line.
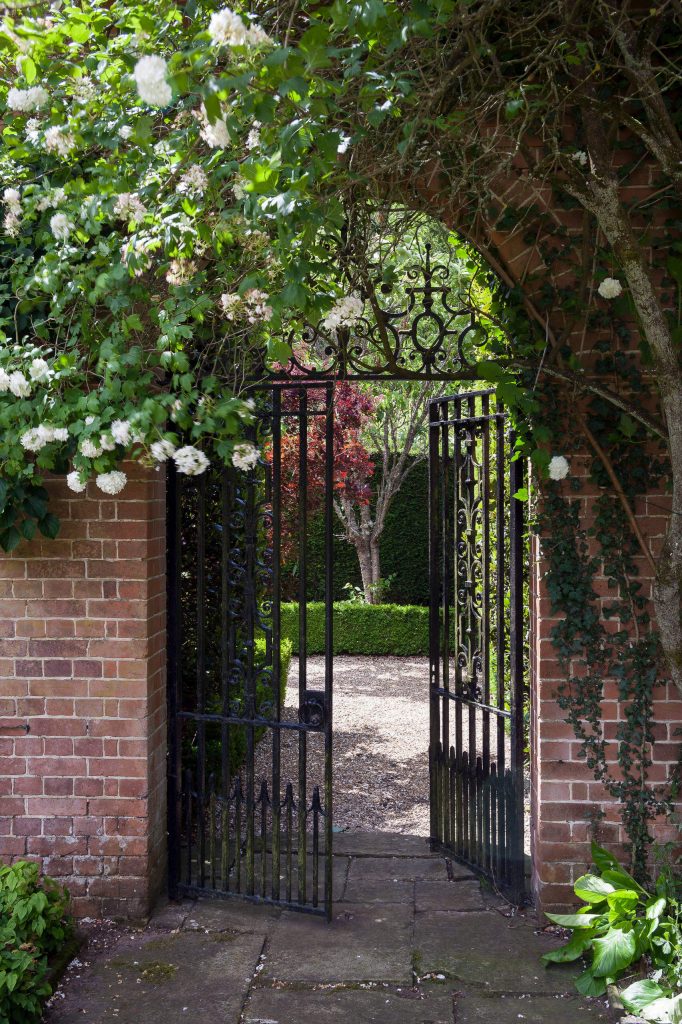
414,940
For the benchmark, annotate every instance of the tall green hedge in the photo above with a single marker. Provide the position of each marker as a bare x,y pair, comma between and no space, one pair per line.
362,628
407,562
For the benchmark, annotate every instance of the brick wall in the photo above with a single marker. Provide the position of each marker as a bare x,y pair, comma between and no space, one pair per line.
569,808
82,667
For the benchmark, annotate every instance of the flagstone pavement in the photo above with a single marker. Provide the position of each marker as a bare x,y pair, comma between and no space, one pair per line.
415,939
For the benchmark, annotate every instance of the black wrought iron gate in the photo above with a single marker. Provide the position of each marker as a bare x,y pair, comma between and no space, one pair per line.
476,751
247,814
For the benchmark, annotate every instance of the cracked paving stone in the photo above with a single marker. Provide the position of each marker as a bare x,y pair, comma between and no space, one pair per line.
488,950
379,890
171,979
362,943
464,895
475,1009
339,1006
384,868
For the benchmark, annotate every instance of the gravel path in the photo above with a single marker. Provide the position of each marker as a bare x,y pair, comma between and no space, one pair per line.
381,737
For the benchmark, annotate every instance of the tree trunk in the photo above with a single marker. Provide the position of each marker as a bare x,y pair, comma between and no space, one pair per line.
363,546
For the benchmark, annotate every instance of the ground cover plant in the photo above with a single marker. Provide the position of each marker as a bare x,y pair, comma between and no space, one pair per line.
34,928
621,927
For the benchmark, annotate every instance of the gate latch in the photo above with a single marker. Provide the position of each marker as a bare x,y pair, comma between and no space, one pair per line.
313,709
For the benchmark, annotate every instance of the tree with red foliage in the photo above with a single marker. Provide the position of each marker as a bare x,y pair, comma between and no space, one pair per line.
391,424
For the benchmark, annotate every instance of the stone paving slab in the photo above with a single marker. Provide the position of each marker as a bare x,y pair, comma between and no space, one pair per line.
362,943
490,951
388,868
169,979
379,890
474,1009
341,1006
382,844
231,915
436,896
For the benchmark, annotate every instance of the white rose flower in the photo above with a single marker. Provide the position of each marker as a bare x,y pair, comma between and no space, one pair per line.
558,467
84,89
89,449
344,313
610,288
194,181
58,140
227,29
18,385
190,461
60,434
113,482
121,432
32,130
32,440
125,131
60,226
129,206
25,100
75,482
580,157
214,134
150,77
39,371
107,443
162,450
11,197
245,456
4,381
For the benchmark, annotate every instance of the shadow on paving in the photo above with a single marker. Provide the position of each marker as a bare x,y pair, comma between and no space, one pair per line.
414,940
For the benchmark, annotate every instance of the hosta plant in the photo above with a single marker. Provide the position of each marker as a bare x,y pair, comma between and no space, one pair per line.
626,930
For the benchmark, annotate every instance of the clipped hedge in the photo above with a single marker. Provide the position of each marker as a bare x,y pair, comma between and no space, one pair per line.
362,628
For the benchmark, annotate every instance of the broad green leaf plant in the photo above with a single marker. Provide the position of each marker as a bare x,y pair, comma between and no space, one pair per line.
623,927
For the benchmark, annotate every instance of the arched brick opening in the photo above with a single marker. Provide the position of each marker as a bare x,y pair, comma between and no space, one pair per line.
82,660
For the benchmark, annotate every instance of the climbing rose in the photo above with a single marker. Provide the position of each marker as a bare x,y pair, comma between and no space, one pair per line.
113,482
75,482
194,181
190,461
344,313
59,141
120,431
162,450
558,468
18,385
610,288
215,133
245,457
150,78
89,449
39,371
227,28
129,206
25,100
60,226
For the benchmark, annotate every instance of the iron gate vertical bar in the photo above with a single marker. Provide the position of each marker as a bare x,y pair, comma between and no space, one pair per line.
501,647
485,555
460,796
225,633
201,677
276,636
516,528
470,485
302,635
434,616
173,626
250,619
329,644
446,600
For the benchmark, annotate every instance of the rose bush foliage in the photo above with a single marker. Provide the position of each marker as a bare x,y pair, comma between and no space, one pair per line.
139,263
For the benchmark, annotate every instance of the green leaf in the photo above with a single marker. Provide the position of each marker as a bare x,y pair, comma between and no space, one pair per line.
603,860
655,909
29,68
49,526
613,952
573,920
588,985
10,539
592,889
640,994
574,948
